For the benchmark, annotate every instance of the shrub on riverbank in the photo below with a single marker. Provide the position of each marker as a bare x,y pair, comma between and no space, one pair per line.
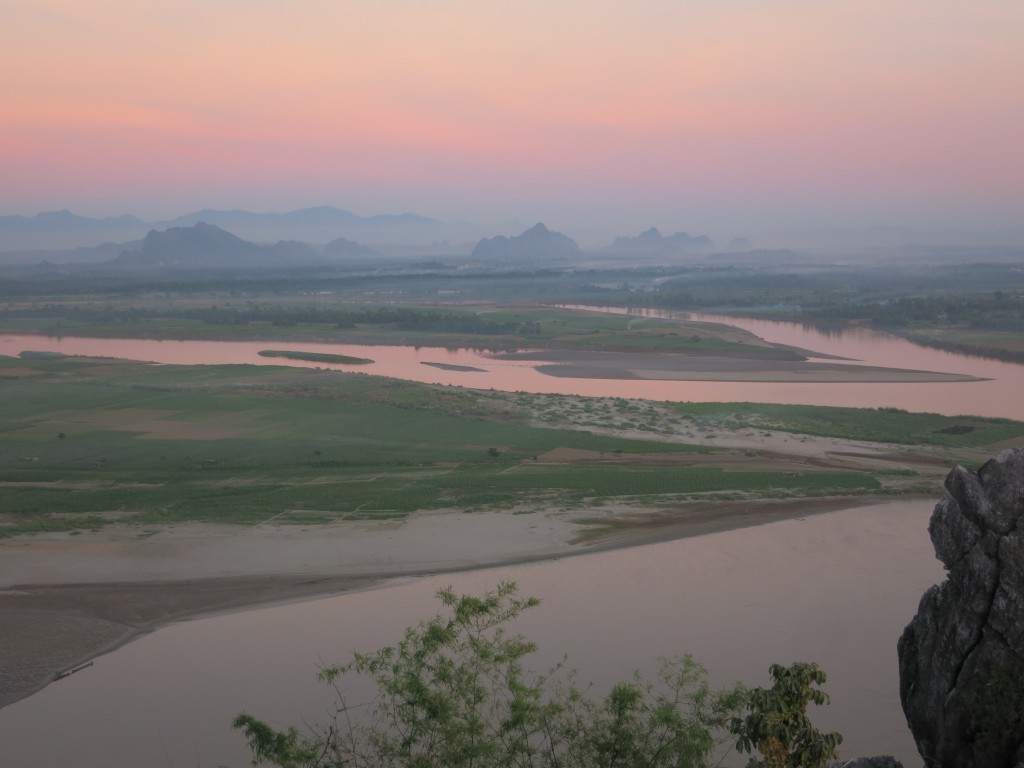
454,692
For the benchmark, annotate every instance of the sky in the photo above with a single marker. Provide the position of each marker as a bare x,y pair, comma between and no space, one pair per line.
697,115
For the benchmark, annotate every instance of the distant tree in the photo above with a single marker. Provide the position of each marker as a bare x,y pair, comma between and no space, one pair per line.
61,436
454,693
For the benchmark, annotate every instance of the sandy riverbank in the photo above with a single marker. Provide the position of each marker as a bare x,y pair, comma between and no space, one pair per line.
669,366
66,599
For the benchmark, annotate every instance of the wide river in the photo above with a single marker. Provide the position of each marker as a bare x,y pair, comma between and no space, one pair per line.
834,588
998,395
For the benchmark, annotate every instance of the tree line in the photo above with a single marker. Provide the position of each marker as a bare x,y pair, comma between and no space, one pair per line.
400,318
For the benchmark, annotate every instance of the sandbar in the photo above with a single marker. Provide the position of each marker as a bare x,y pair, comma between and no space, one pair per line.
671,366
453,367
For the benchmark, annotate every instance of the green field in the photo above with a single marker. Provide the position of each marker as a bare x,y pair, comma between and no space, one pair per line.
85,442
877,425
88,442
697,420
223,495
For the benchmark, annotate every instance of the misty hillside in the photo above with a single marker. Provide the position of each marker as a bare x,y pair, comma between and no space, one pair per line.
64,221
652,241
538,242
207,246
65,230
65,237
344,248
320,217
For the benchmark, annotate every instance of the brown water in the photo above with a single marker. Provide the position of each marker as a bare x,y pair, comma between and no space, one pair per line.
835,588
999,396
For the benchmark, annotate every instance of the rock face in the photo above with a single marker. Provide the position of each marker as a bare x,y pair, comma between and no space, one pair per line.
962,656
883,761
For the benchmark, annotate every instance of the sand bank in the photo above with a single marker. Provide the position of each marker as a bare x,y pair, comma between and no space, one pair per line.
65,599
669,366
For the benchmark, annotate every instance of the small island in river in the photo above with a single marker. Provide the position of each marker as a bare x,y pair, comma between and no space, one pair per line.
452,367
315,357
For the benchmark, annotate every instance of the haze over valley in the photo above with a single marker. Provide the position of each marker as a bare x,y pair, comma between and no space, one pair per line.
681,318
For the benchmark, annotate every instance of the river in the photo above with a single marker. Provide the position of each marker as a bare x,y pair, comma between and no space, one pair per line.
998,395
835,588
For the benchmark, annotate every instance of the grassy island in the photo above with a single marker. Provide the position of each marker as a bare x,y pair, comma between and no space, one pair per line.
315,357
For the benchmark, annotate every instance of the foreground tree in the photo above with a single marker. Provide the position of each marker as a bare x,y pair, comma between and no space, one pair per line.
777,726
454,693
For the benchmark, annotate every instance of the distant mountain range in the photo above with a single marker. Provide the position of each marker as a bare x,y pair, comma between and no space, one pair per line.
538,242
64,237
652,241
63,229
207,246
345,248
306,218
66,221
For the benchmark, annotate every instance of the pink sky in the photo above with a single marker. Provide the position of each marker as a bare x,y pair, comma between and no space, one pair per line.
690,115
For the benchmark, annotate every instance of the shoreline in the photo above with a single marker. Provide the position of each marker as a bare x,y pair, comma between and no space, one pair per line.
50,627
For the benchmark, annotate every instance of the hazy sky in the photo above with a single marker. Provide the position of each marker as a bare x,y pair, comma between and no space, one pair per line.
688,114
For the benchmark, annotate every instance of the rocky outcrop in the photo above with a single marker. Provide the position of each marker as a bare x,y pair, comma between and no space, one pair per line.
962,656
884,761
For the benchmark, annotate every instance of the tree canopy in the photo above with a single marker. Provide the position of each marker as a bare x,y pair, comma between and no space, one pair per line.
454,692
